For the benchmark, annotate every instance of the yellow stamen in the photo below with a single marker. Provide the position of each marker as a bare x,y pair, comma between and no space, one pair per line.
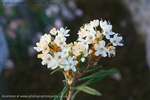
54,48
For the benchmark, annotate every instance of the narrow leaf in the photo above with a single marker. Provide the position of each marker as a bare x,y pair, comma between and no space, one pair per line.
93,69
63,92
88,90
58,69
56,97
100,74
75,94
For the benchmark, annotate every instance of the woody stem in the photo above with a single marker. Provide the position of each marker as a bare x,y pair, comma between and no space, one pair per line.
69,76
70,93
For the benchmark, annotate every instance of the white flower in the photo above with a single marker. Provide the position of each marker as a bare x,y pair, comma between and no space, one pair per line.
46,58
108,35
70,64
80,48
53,31
90,29
95,23
64,32
116,40
65,52
43,44
101,49
46,38
53,61
106,27
60,40
111,51
82,33
53,64
90,39
86,36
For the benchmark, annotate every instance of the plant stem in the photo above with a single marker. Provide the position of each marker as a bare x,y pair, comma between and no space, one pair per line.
69,76
70,93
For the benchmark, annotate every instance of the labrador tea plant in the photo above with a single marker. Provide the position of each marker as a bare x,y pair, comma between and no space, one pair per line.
78,60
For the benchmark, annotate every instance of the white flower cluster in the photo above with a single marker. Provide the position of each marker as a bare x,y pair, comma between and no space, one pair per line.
95,38
99,35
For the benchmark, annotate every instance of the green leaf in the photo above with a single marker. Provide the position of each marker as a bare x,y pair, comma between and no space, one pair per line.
61,95
75,94
100,74
93,69
64,91
56,98
58,69
88,90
